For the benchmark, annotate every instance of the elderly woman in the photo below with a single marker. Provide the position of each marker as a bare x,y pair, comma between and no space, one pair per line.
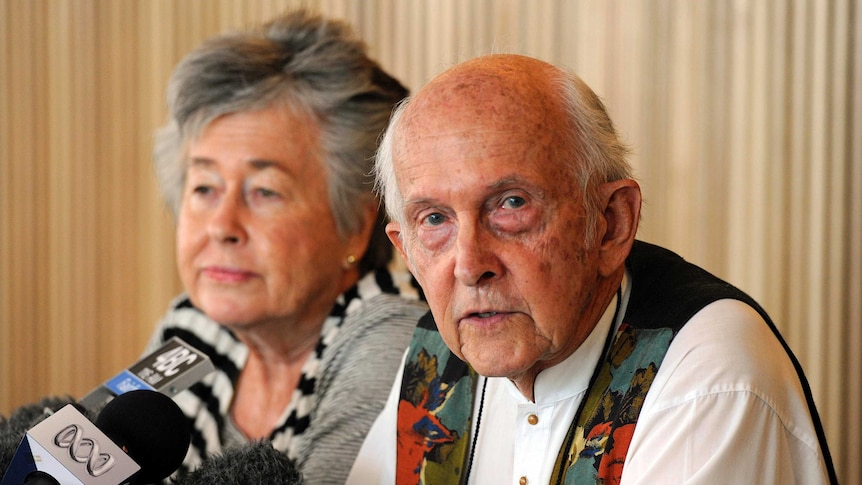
280,245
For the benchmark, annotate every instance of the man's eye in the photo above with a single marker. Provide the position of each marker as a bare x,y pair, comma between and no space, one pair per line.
202,189
513,202
435,219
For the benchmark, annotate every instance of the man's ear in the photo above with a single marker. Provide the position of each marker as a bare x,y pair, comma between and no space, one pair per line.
621,208
393,230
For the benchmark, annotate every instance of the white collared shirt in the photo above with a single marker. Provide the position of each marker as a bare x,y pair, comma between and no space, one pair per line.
530,432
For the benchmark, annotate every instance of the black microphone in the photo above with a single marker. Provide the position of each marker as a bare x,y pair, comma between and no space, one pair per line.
257,462
139,437
40,478
171,368
151,428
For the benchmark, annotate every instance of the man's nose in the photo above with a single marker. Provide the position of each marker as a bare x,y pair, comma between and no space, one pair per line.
476,261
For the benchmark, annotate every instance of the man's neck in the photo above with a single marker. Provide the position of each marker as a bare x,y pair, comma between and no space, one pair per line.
598,309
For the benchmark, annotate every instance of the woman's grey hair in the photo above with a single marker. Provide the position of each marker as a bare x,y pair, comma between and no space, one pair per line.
303,61
591,146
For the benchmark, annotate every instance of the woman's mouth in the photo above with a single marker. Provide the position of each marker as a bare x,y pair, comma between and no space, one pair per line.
227,275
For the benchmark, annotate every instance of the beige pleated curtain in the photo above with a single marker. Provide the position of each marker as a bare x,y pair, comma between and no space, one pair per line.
745,117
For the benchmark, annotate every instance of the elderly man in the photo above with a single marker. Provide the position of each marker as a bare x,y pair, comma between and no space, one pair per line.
559,349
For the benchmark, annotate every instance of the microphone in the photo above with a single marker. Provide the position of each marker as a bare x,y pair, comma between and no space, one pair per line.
68,448
171,368
26,417
257,462
139,437
151,428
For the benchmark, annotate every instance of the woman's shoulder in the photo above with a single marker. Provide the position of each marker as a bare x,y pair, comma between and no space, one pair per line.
367,349
378,320
386,297
385,311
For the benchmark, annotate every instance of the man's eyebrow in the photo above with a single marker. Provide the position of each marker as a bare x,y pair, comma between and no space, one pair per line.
518,181
509,181
421,201
501,184
505,182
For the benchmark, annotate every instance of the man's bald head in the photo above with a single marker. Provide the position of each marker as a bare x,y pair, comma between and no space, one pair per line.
500,90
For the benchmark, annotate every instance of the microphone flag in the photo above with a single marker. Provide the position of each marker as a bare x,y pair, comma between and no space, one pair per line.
171,368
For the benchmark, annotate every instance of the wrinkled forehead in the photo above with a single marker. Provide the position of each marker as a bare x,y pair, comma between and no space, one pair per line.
487,105
497,92
478,126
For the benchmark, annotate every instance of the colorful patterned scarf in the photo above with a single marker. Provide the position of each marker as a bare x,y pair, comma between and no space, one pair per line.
434,412
596,445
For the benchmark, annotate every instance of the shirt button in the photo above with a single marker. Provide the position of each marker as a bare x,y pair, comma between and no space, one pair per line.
523,481
534,420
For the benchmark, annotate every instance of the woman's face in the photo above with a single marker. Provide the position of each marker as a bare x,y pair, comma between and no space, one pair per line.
256,238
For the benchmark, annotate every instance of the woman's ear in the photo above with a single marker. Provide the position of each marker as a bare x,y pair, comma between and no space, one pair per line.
358,242
621,208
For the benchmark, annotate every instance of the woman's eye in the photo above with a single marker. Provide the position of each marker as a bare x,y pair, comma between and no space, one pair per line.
267,192
202,189
435,219
513,202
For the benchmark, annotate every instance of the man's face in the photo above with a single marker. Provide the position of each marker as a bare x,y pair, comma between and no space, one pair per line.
494,232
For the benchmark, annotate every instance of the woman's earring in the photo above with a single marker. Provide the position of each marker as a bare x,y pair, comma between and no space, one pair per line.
349,261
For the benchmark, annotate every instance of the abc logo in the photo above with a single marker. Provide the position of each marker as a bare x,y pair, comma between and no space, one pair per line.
170,362
84,450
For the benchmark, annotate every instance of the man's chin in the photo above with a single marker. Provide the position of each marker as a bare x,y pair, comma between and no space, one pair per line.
497,365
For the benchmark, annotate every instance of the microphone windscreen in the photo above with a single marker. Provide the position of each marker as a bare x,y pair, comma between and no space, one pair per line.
257,462
13,429
151,428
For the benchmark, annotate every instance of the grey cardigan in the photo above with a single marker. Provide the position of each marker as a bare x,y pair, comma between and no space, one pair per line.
355,377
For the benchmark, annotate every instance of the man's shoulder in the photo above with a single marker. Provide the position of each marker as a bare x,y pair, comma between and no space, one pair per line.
726,379
726,348
667,290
